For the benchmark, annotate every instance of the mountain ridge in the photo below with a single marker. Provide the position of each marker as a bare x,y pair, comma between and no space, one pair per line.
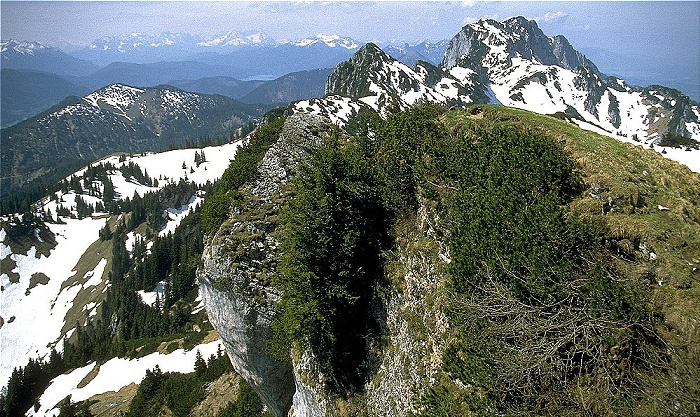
115,118
513,63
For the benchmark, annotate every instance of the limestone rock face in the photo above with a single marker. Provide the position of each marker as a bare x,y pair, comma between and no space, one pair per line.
238,263
236,287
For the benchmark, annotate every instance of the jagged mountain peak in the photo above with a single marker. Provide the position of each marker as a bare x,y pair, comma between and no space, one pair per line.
490,43
373,78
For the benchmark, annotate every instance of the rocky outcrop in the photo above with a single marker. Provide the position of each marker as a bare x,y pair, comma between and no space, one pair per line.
236,287
238,263
416,324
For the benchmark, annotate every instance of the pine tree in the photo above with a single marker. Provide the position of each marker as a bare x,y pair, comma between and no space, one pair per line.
200,366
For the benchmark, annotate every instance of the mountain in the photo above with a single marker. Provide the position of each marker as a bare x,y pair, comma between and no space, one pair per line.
432,52
115,118
373,77
290,87
26,93
515,64
227,86
153,74
529,70
23,55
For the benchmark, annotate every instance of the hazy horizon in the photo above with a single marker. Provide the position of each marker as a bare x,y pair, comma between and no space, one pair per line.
648,42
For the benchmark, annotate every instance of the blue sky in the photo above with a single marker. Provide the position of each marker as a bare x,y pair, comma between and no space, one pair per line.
642,40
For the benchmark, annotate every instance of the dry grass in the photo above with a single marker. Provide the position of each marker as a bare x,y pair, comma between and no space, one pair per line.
113,403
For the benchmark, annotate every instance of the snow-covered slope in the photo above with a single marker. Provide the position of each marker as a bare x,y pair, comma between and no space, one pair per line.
112,119
57,275
34,308
116,374
515,64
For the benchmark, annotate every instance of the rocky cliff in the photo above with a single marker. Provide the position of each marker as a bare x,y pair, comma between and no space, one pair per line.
239,260
235,283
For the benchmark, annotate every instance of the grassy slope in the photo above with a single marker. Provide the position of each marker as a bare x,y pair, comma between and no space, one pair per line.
652,207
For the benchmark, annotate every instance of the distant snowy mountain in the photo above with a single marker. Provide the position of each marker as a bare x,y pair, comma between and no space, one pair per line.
145,48
23,55
251,38
515,64
135,41
115,118
332,41
21,47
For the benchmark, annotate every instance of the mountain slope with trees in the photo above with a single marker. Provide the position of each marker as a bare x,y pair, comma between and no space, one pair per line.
545,288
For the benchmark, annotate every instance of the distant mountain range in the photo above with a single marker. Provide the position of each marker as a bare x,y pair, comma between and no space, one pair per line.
145,48
35,76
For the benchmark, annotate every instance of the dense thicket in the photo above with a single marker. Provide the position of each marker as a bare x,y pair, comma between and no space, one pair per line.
540,318
334,228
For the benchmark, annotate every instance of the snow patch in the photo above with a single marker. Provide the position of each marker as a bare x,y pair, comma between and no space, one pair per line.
116,374
149,297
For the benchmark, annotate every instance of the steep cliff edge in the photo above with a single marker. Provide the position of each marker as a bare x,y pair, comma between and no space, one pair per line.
236,286
239,259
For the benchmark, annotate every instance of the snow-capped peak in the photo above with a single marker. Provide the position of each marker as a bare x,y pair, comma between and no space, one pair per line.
232,38
331,41
20,47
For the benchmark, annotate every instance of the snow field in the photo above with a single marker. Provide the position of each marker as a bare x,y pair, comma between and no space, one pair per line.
39,316
116,374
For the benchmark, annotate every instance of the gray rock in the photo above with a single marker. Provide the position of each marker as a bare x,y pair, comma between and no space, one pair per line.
238,263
